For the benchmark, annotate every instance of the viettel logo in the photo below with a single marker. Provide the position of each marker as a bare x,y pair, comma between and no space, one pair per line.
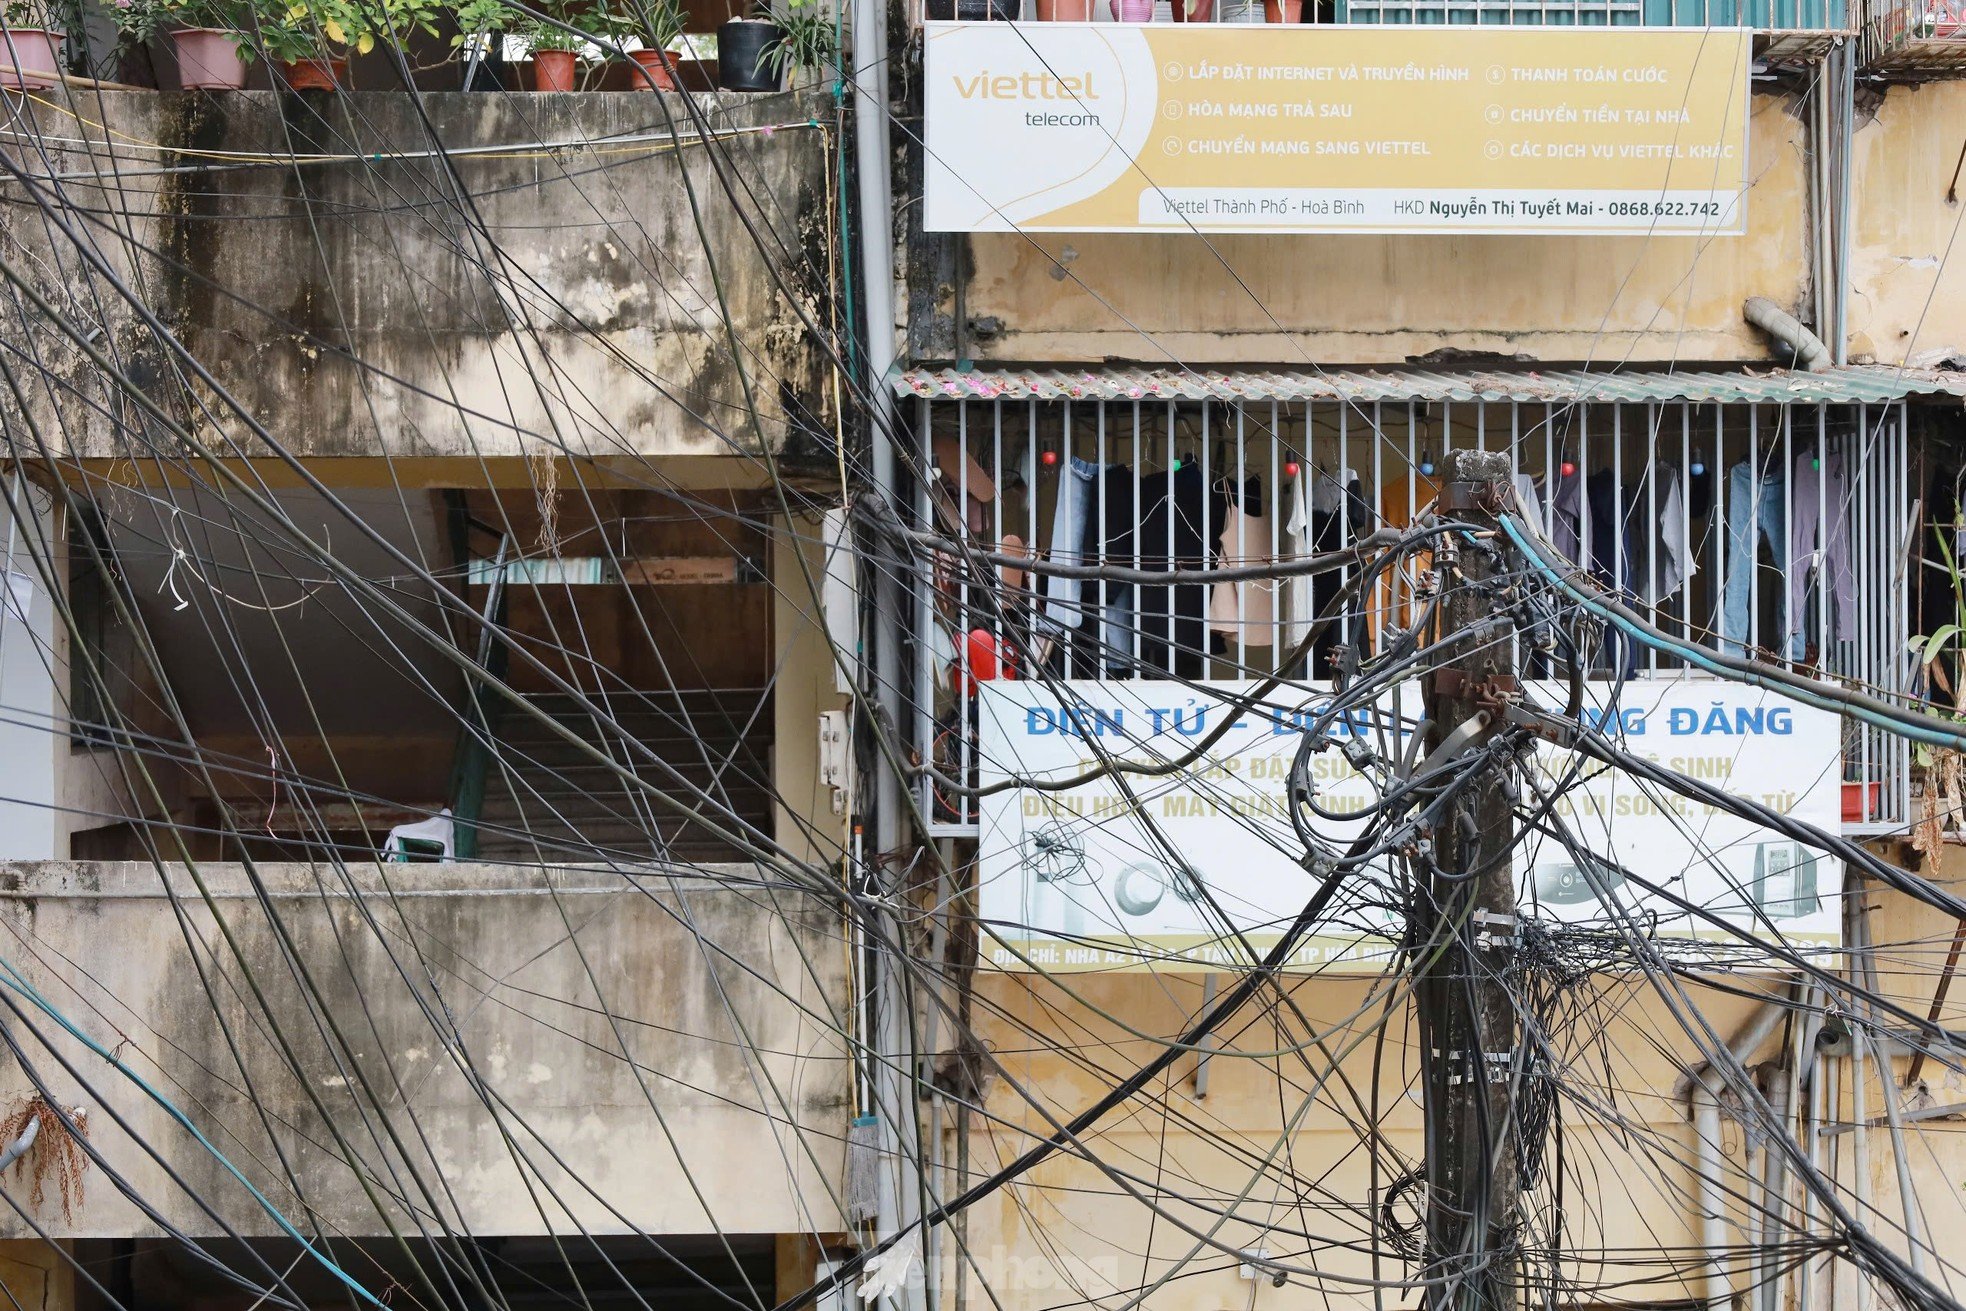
1025,86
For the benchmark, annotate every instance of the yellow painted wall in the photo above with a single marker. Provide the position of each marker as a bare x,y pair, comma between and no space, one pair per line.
1908,276
1300,300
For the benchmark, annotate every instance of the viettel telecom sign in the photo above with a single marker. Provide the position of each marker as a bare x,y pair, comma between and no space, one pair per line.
1109,127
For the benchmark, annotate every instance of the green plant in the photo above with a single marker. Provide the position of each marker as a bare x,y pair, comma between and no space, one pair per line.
811,40
479,18
1941,656
657,24
31,14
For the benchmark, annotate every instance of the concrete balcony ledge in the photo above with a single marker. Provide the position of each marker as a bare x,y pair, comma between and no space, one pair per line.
726,996
449,275
125,880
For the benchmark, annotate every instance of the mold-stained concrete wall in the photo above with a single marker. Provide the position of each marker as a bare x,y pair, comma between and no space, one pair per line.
547,289
739,1077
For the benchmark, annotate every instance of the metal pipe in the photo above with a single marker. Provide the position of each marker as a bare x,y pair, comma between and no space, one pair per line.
1717,1287
18,1148
1701,1085
1774,1183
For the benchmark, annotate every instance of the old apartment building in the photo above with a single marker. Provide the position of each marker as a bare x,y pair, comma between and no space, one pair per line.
534,618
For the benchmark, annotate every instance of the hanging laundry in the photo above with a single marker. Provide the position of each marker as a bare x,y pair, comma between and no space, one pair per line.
1244,611
1173,509
1328,512
1819,549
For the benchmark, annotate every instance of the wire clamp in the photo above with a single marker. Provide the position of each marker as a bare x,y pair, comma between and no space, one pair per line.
1494,930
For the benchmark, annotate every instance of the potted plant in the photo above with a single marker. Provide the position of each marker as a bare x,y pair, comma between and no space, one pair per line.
555,56
30,46
554,50
300,35
1133,11
744,47
295,36
809,48
206,36
657,24
1064,11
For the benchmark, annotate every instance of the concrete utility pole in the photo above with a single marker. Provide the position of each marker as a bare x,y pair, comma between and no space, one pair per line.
1466,1013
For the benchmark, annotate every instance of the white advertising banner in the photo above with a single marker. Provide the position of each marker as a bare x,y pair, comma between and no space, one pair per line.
1230,127
1081,878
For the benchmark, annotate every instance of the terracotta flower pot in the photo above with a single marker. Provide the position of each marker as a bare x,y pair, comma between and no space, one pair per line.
315,74
553,70
653,70
1064,11
208,59
34,56
1283,11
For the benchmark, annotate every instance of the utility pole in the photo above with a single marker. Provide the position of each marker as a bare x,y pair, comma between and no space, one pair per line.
1467,1021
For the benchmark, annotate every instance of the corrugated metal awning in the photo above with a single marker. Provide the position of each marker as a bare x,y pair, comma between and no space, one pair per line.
1854,384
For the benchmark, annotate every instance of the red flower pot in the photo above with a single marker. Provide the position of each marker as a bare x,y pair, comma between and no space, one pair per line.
33,56
653,70
315,74
1065,11
1283,11
553,70
208,59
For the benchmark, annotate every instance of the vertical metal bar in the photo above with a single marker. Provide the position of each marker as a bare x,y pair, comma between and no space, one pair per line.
1375,621
1721,511
958,577
1552,469
1825,598
924,615
996,522
1094,598
1206,1046
1901,604
1237,591
1277,513
1651,485
1686,522
1033,592
1138,486
1208,542
1620,520
1073,551
1864,502
1587,557
1167,618
1750,638
1785,547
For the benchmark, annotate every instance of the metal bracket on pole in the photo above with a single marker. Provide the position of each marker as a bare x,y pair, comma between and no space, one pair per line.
1207,1043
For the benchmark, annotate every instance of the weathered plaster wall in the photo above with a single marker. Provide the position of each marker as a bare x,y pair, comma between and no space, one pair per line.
1072,1233
1296,301
515,301
756,1114
1908,277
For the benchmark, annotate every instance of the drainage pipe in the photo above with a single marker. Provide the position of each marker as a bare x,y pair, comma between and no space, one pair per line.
1804,346
18,1148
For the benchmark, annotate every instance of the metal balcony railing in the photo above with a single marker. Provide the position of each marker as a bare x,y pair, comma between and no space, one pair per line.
1777,529
1914,36
1762,15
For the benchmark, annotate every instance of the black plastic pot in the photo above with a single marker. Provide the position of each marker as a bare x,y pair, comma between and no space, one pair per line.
744,47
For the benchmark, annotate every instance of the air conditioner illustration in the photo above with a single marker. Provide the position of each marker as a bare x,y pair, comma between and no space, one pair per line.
1783,881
